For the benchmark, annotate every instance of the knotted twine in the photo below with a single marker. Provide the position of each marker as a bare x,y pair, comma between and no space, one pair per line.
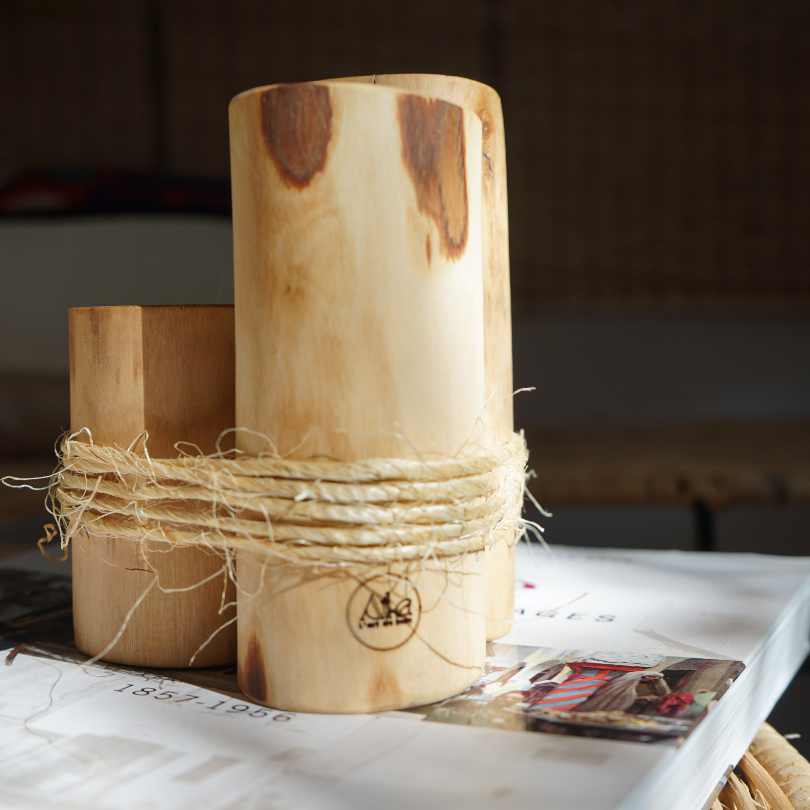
305,512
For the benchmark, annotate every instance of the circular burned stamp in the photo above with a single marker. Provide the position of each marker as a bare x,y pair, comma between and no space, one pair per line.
384,611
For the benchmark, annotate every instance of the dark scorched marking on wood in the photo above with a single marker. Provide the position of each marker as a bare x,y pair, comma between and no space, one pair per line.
432,134
297,127
252,680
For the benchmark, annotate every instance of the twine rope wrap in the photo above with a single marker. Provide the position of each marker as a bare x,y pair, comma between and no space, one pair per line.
305,512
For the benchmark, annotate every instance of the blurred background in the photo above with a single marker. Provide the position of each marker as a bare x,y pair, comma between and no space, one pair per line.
658,176
659,214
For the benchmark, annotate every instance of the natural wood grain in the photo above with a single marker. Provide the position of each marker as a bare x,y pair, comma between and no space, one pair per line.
762,782
789,769
736,794
168,371
486,104
297,650
359,332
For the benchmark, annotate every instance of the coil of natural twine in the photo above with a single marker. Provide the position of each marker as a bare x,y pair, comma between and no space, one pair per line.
303,512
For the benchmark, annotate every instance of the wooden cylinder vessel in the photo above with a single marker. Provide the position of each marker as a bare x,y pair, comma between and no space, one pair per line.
486,104
167,371
359,333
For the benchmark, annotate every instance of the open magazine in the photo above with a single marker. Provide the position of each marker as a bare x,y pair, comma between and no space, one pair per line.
641,697
624,671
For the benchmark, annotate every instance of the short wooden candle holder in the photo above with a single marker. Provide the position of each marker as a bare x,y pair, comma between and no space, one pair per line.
167,371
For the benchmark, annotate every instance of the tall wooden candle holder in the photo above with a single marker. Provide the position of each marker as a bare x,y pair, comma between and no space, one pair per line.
359,334
168,371
486,104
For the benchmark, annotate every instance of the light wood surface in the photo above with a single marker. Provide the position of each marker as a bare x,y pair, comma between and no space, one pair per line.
359,332
168,371
486,104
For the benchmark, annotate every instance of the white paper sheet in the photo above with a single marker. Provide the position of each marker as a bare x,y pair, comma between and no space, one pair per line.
95,737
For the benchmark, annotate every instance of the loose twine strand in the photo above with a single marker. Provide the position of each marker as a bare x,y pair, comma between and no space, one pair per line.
319,512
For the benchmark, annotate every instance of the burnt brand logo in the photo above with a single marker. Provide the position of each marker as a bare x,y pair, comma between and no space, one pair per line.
383,612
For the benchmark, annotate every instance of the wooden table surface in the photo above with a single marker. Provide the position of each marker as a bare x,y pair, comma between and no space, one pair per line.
717,464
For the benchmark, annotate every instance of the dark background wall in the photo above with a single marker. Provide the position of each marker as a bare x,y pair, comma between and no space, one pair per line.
657,150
